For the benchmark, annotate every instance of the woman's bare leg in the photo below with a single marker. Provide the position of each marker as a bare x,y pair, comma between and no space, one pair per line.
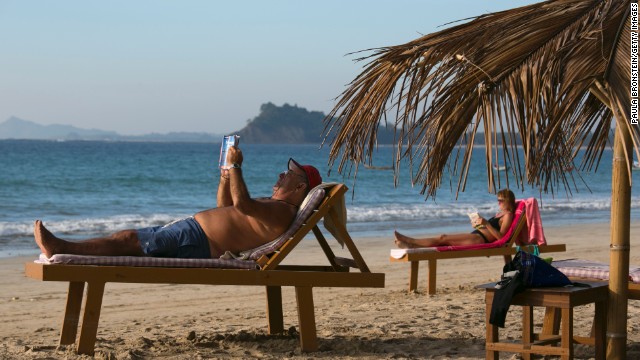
461,239
405,242
122,243
402,241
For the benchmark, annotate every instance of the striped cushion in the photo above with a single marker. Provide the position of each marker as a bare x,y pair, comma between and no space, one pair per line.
146,261
591,269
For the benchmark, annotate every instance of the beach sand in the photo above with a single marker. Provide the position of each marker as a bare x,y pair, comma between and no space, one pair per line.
228,322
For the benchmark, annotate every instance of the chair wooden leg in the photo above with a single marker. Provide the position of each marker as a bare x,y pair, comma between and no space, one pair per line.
413,276
275,318
431,282
72,313
306,317
91,318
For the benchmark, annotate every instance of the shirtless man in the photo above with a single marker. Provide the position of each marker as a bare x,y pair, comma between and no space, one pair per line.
237,223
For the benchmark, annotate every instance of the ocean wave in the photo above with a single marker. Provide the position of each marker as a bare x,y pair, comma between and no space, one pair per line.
104,226
368,214
412,212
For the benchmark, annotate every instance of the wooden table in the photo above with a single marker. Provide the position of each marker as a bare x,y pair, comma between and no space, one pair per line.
557,300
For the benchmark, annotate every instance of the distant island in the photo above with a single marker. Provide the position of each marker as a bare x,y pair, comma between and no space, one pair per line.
289,124
274,124
286,124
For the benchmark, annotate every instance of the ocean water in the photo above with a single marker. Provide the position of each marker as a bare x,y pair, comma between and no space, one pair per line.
82,189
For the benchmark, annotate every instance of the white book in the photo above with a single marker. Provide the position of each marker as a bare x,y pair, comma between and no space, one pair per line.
227,142
473,216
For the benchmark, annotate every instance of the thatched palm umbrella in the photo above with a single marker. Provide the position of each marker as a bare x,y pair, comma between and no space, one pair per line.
554,76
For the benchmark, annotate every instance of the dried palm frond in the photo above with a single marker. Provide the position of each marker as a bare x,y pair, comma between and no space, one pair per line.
545,75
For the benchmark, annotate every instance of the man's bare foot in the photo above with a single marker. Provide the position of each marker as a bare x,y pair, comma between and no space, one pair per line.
402,241
47,242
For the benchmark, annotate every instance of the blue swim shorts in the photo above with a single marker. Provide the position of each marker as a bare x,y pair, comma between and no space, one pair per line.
179,239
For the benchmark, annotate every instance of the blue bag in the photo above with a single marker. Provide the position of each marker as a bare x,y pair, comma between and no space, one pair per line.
525,270
536,272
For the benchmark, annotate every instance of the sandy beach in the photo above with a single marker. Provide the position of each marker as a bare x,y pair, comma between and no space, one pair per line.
228,322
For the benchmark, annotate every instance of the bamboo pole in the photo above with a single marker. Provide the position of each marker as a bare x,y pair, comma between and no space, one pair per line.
619,248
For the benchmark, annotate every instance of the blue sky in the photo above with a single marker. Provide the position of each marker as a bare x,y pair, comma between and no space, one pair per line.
141,66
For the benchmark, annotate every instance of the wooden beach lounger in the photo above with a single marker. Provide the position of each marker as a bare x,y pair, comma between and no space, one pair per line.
502,247
261,268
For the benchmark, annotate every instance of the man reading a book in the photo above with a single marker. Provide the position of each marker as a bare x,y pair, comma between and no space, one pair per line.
238,223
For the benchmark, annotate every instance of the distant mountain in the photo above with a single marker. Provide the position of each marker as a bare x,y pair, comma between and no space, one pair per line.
274,125
16,128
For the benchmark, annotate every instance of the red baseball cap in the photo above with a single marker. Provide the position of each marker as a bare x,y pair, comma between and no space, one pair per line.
313,175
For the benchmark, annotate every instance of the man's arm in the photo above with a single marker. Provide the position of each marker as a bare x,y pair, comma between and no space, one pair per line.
224,189
240,197
234,156
239,193
262,216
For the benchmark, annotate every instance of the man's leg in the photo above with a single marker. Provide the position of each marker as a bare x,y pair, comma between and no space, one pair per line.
122,243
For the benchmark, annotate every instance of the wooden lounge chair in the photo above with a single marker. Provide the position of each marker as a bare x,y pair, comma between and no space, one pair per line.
263,271
502,247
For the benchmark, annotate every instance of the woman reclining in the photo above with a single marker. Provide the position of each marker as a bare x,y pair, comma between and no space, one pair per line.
486,230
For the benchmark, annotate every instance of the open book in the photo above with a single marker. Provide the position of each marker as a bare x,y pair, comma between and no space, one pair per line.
474,217
227,142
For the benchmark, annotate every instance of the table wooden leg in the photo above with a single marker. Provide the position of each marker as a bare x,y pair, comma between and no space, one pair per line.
413,276
72,313
599,329
492,330
527,330
566,342
551,323
275,318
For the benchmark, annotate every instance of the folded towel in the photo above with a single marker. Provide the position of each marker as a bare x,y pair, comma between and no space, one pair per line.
400,253
535,233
